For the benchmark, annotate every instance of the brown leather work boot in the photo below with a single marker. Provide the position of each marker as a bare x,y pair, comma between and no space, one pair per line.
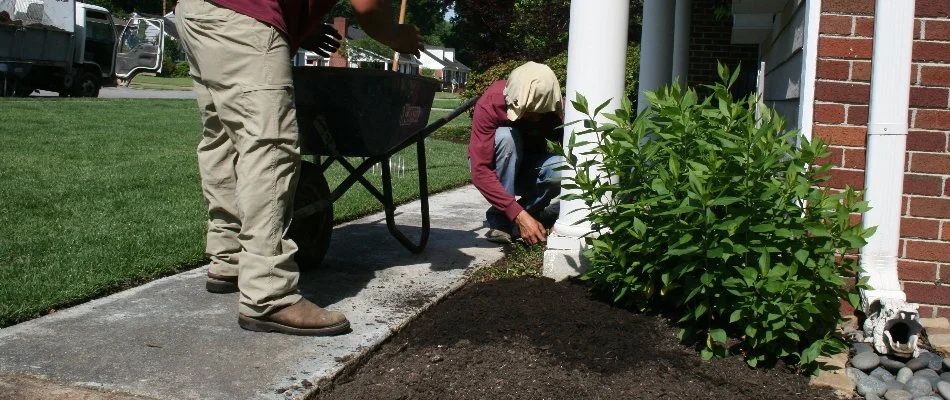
301,318
221,283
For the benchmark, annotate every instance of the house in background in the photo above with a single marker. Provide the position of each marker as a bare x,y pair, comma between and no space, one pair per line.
356,57
447,69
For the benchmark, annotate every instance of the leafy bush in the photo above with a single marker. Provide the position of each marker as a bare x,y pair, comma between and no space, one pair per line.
427,72
717,216
182,70
478,82
455,134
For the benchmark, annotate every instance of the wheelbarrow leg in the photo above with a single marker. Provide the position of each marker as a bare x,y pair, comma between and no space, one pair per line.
390,206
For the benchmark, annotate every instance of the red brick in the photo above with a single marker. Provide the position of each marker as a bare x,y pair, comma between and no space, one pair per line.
838,47
861,71
864,26
934,163
840,178
829,113
855,136
935,75
932,119
920,228
844,92
929,97
925,51
933,207
835,157
934,142
916,271
943,312
905,205
857,7
835,24
855,158
924,185
931,251
945,235
834,70
927,293
946,188
845,308
931,8
857,115
937,30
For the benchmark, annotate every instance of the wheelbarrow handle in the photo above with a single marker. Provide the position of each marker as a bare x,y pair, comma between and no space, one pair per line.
448,117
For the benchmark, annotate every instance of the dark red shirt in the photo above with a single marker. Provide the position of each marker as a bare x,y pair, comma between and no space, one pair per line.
295,18
490,113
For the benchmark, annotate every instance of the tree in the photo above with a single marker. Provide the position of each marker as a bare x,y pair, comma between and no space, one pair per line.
427,15
487,32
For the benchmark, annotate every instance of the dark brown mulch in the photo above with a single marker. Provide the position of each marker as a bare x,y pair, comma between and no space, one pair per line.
536,339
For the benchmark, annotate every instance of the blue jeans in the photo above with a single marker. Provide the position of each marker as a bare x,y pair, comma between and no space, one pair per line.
529,175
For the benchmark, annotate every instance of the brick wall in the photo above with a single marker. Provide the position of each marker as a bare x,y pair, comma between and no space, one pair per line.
337,59
710,43
842,93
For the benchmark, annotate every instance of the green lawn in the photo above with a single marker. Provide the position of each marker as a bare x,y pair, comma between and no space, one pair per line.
446,103
100,195
447,95
159,83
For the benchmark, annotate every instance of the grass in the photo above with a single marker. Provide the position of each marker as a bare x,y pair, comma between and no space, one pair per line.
91,203
446,103
447,95
160,83
519,261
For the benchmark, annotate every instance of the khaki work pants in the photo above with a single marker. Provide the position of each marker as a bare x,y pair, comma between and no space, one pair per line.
249,156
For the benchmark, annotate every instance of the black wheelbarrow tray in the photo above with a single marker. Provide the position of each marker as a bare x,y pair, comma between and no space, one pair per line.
358,118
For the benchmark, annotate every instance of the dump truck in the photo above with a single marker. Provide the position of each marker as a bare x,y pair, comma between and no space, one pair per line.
72,48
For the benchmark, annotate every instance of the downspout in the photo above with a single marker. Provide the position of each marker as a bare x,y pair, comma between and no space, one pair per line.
892,323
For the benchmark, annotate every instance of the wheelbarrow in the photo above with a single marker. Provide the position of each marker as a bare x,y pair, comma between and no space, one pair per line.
358,118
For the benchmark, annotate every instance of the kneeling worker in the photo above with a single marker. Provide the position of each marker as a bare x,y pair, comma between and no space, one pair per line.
511,124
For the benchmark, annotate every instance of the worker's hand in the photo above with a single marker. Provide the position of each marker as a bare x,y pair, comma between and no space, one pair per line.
323,42
405,38
532,231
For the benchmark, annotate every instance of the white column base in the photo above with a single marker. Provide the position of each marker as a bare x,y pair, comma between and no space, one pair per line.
564,257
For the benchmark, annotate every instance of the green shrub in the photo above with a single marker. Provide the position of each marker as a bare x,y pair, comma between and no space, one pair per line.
716,216
182,70
478,82
168,66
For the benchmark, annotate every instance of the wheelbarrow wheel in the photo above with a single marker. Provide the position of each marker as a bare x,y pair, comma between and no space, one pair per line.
313,217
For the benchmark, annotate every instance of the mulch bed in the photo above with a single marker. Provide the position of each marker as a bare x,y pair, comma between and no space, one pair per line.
535,339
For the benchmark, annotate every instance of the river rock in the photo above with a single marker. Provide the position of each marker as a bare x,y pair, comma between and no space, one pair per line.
872,385
897,394
944,376
882,374
891,364
861,347
936,362
904,375
856,374
946,363
919,386
919,363
930,374
865,361
931,397
872,396
944,389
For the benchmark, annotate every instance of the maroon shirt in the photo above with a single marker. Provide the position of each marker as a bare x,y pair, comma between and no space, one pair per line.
295,18
490,113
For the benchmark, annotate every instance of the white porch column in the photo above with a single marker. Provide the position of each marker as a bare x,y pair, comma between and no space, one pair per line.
681,31
596,58
656,48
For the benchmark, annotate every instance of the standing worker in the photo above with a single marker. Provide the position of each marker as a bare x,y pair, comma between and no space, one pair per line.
249,156
511,124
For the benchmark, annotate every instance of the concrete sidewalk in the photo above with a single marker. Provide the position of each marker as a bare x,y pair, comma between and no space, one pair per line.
170,339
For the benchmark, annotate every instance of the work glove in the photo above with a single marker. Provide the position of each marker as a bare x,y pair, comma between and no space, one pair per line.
323,42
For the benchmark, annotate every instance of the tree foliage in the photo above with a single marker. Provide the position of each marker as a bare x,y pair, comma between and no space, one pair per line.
487,32
427,15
